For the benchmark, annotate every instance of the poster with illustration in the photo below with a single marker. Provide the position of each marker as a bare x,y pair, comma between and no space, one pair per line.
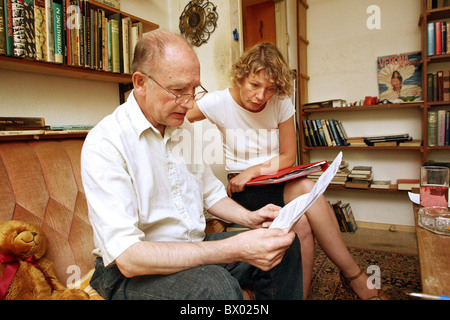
400,77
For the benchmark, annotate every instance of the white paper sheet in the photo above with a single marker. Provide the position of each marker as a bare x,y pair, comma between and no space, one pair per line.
294,210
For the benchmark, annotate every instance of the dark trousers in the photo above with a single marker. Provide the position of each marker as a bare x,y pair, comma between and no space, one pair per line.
215,282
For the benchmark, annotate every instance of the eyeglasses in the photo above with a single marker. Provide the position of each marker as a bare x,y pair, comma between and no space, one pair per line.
181,98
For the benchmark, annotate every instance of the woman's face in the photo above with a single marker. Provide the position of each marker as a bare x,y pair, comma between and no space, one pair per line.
256,90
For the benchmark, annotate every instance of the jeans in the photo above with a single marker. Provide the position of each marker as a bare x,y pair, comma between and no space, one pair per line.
215,282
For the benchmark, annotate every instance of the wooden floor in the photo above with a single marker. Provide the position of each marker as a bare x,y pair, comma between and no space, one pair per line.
385,240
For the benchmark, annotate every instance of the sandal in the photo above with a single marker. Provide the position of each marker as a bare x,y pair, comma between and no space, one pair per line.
346,284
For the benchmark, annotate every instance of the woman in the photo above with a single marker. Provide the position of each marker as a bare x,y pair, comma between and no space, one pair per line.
256,119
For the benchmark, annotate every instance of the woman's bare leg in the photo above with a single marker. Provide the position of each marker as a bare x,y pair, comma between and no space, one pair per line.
307,243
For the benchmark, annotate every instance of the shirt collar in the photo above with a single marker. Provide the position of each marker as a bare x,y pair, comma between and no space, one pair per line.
139,122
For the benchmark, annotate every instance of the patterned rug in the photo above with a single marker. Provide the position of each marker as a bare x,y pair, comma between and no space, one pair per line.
399,274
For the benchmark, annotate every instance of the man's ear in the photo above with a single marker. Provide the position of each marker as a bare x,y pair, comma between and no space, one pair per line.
139,83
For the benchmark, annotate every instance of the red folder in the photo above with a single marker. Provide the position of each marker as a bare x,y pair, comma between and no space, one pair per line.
289,173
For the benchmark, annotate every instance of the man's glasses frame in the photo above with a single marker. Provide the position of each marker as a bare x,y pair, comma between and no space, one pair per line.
181,98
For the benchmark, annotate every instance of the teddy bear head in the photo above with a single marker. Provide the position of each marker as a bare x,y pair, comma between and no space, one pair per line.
21,239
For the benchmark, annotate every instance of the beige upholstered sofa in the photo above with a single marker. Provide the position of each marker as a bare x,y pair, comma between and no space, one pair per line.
40,182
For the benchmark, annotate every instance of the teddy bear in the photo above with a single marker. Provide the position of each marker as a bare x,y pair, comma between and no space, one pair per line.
24,273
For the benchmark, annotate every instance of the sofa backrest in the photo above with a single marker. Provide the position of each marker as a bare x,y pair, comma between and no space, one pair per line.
40,182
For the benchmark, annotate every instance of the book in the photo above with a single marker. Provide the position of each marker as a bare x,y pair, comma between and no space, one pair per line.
349,217
407,184
432,128
361,170
334,103
8,25
357,184
111,3
18,122
289,173
21,132
28,23
40,30
18,27
400,77
58,15
344,216
441,123
411,143
49,28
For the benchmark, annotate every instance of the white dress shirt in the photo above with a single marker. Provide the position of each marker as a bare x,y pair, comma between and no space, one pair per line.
139,186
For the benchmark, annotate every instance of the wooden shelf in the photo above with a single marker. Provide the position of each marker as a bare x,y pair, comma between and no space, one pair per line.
366,108
397,148
392,188
54,69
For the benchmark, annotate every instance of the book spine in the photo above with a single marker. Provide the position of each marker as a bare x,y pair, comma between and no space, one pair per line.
441,119
314,142
447,128
321,133
306,136
326,132
49,28
40,30
335,133
2,29
57,21
432,128
430,39
438,38
30,46
18,28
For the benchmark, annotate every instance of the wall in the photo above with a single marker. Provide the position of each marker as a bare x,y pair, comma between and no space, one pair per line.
342,58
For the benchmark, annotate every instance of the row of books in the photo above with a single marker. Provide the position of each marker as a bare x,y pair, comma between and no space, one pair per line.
438,124
344,216
438,38
21,126
71,32
438,86
324,132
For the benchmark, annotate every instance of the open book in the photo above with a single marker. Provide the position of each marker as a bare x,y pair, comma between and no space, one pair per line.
294,210
289,173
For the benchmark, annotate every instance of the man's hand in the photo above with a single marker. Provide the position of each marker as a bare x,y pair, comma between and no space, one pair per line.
263,217
263,248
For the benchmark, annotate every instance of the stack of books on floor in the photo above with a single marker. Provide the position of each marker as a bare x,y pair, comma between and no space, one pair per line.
339,179
344,216
360,177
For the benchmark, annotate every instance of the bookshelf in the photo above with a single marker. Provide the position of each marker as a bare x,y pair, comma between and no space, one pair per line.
13,63
431,63
413,110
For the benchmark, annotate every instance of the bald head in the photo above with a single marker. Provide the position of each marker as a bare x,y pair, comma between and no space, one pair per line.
156,46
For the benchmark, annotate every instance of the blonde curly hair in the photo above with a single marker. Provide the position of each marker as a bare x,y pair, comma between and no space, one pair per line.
265,56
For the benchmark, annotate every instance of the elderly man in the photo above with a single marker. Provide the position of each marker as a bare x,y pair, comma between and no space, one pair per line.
147,202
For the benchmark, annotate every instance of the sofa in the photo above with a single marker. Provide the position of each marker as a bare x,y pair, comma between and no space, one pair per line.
40,182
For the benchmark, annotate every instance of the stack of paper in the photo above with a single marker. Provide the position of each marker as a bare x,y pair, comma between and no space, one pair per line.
294,210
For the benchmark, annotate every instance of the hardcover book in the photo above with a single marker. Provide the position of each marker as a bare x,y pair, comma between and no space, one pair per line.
400,77
289,173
